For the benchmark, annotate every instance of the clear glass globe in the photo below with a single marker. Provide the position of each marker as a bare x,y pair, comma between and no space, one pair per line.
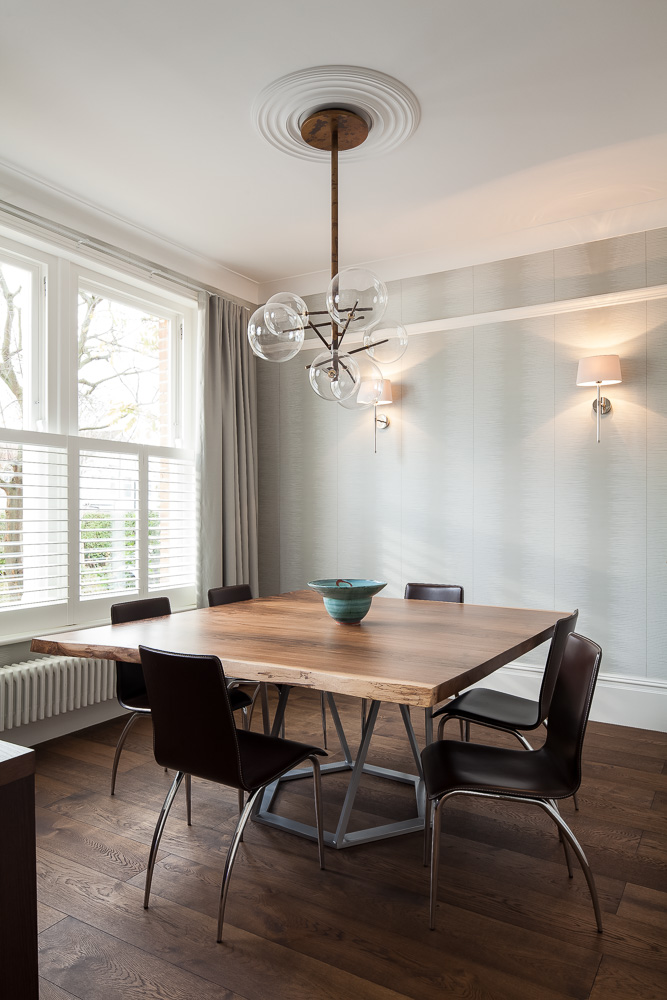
396,337
355,288
275,334
334,380
369,388
292,300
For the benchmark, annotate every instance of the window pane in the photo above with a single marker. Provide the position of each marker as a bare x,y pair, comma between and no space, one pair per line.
16,333
33,525
108,524
172,541
124,368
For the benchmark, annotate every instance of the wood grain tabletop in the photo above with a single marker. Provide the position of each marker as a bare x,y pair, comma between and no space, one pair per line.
408,652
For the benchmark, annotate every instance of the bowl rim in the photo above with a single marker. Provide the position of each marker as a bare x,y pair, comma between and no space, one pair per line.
356,584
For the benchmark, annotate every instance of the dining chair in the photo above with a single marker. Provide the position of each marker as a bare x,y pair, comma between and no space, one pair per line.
195,733
130,685
508,712
539,777
217,596
449,592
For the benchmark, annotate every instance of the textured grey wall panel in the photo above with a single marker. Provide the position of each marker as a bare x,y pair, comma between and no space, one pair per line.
604,266
601,488
514,464
656,489
520,281
437,486
656,257
437,296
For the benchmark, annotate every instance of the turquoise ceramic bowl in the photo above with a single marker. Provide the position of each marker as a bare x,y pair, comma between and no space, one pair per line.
347,601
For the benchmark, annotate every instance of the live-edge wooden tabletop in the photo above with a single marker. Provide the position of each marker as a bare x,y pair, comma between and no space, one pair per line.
408,652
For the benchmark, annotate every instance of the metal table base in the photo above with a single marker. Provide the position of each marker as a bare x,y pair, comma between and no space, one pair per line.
341,838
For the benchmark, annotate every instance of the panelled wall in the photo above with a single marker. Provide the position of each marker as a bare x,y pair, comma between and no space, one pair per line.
489,474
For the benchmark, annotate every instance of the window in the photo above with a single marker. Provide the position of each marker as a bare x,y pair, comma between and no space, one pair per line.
97,472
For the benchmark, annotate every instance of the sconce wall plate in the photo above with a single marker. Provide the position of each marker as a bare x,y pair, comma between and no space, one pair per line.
605,405
382,421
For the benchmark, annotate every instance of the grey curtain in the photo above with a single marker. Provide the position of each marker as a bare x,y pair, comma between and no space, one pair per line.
227,449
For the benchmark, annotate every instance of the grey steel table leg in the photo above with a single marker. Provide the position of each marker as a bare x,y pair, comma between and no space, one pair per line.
341,838
428,725
357,771
340,732
412,739
264,697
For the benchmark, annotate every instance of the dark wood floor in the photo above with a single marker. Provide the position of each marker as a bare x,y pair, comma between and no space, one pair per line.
511,924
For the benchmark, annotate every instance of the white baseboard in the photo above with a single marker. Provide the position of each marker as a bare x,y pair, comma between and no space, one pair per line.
621,701
60,725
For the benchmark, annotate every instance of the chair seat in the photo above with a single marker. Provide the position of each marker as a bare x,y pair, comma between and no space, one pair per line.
264,758
450,765
504,710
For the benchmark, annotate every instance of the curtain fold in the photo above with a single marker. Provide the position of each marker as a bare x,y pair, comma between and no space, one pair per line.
227,449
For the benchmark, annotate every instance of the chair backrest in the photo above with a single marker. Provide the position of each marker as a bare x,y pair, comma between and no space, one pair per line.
564,626
571,704
129,676
193,723
229,595
449,592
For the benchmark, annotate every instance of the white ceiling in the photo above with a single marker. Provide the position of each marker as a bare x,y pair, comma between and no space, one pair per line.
537,117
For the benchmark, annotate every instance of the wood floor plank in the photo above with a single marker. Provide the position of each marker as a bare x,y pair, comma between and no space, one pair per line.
97,966
107,853
49,991
619,980
46,916
93,752
647,906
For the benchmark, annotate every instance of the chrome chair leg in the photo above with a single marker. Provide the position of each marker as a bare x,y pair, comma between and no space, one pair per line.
231,855
323,713
435,861
162,819
188,798
521,738
581,857
427,831
563,841
317,783
575,800
119,746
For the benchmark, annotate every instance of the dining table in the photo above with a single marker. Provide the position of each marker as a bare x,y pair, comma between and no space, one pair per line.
412,653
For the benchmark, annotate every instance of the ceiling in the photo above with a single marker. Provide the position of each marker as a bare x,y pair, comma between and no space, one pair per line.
534,115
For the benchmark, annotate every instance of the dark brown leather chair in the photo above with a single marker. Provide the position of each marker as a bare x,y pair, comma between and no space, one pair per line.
540,777
195,734
217,596
130,685
497,710
449,592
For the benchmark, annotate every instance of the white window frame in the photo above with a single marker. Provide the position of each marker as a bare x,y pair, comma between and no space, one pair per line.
54,411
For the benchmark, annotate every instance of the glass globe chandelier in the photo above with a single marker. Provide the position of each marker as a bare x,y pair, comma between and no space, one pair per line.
356,299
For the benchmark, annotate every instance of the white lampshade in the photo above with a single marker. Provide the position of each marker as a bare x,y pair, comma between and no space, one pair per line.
604,368
385,395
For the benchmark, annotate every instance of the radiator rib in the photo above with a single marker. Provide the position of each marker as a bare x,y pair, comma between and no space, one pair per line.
53,685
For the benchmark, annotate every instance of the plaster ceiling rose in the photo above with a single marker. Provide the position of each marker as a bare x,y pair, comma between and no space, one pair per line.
389,108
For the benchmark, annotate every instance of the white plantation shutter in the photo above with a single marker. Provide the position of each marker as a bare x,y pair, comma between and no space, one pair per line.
109,523
172,536
33,524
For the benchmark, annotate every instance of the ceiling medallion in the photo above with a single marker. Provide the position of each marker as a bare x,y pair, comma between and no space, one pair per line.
389,108
356,298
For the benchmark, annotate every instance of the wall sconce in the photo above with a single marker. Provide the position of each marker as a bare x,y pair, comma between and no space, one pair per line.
604,369
368,393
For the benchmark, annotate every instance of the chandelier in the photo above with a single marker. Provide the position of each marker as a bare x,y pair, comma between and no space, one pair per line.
356,299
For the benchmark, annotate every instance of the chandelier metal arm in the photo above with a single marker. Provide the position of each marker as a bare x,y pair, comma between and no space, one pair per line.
356,350
313,327
350,317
